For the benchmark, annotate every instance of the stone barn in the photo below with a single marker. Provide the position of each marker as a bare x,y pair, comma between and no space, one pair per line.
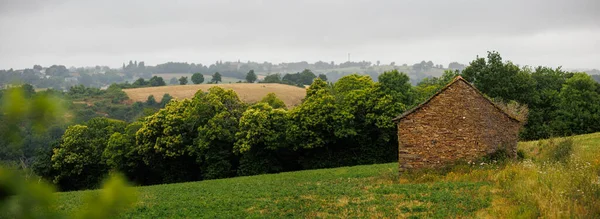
456,123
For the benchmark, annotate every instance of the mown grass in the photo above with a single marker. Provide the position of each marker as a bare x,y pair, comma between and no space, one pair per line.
535,187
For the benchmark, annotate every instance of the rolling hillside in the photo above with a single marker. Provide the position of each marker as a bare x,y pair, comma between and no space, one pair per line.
531,188
250,93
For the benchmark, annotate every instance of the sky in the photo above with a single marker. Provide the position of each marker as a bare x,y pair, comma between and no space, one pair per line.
110,32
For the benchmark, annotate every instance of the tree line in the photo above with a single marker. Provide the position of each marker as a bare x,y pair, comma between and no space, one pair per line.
349,122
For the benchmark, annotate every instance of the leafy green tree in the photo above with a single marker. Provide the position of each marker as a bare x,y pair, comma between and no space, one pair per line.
121,154
579,108
24,122
140,82
261,125
545,103
261,134
324,77
197,78
168,132
216,78
500,80
305,77
398,86
165,100
352,82
317,86
216,137
251,77
165,140
151,101
116,94
317,121
28,90
156,81
183,80
173,81
273,101
274,78
78,160
25,197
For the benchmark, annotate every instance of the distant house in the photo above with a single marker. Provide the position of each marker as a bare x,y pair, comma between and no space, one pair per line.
456,123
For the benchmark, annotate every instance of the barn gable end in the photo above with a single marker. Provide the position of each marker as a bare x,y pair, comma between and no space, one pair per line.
457,123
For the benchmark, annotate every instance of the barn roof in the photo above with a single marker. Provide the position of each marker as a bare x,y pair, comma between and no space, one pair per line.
457,78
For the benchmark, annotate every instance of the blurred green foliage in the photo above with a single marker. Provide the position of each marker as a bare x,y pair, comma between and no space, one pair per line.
24,196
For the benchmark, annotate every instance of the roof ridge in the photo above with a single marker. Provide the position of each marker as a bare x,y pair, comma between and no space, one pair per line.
457,78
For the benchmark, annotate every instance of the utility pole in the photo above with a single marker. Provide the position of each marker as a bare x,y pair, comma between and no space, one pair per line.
348,57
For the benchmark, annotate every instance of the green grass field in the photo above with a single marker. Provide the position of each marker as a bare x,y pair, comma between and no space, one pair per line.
529,189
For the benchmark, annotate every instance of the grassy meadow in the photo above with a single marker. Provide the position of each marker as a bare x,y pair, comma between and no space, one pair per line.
557,178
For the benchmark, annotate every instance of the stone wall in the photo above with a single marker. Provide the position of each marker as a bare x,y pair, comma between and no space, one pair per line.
457,124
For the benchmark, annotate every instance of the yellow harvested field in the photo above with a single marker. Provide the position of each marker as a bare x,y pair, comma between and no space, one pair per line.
249,93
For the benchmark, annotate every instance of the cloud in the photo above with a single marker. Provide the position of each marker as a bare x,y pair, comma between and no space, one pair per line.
103,32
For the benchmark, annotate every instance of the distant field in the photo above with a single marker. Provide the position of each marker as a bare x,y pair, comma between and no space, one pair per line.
532,188
250,93
167,77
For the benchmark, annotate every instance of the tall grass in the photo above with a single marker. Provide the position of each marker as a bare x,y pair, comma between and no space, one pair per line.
553,184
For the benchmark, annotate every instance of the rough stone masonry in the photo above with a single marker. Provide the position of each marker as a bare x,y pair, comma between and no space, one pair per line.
457,123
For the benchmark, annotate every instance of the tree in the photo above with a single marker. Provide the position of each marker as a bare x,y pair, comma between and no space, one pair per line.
544,103
78,159
121,153
398,86
429,86
197,78
500,80
251,77
274,78
262,131
305,77
352,82
183,80
220,111
173,81
273,101
318,121
151,101
579,106
156,81
140,82
216,78
28,90
165,141
165,100
323,77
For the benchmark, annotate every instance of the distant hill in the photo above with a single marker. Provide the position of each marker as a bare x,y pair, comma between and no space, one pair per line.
250,93
596,77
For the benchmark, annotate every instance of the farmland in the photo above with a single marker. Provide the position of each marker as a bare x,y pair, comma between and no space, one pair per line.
207,77
537,186
250,93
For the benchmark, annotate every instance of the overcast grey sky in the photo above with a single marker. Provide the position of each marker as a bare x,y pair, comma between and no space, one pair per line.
110,32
